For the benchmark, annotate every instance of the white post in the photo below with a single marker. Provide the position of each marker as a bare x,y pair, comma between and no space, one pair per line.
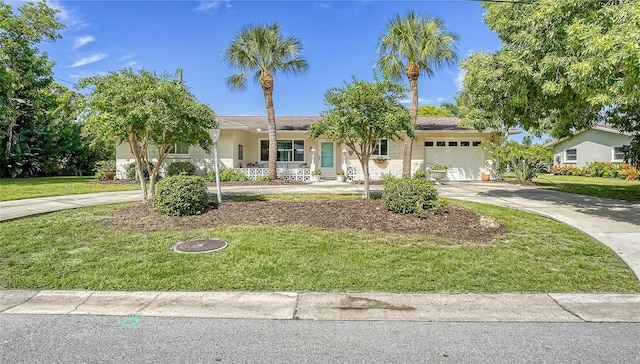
344,160
215,134
312,166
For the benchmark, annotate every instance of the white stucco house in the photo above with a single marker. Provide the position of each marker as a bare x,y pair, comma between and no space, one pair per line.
602,143
243,143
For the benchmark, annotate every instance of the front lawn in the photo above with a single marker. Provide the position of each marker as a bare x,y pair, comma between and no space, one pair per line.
21,188
612,188
80,249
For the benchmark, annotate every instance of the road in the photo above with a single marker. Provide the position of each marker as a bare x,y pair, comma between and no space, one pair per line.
118,339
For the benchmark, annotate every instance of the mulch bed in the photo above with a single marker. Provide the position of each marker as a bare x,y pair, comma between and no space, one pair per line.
359,214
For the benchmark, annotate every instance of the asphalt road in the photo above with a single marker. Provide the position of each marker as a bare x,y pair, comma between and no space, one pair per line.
117,339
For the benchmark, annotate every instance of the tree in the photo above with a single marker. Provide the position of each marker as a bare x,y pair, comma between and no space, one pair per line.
25,75
360,115
430,110
149,112
565,65
414,45
263,51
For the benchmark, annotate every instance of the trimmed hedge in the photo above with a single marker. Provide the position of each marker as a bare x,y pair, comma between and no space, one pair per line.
411,196
181,196
177,168
227,175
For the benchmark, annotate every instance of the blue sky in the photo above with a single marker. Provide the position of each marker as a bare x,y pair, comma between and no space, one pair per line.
340,40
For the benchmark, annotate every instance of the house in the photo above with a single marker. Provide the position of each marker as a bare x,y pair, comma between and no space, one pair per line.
244,144
601,143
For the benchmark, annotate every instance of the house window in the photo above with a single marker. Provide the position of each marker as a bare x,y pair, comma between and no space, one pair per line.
618,154
441,144
465,144
453,144
240,152
179,149
428,144
287,150
570,155
381,149
477,143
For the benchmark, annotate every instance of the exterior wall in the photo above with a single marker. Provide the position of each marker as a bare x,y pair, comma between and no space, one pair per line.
591,146
231,139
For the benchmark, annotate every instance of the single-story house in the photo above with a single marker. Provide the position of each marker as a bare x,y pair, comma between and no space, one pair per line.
244,142
602,143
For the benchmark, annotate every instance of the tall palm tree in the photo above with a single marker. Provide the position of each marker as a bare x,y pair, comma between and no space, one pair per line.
413,45
263,51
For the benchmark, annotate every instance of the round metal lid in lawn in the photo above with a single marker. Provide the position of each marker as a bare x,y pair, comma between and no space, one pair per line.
200,246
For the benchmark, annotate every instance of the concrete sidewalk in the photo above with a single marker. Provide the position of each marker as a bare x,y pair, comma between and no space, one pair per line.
329,306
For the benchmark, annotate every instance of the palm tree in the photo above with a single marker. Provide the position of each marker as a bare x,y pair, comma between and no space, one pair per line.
414,45
263,51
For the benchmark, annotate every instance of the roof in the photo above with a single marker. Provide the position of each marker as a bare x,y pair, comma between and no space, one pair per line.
259,123
600,127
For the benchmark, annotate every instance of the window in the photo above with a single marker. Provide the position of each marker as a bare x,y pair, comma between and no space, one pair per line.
477,143
428,144
240,152
179,149
453,144
288,150
441,144
465,144
381,149
570,155
618,154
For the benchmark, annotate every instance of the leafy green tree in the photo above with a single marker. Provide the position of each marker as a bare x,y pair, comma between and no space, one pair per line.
263,51
565,65
147,112
451,108
360,115
25,75
430,110
414,45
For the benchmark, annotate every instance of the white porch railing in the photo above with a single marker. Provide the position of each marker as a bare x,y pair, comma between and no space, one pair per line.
293,174
375,174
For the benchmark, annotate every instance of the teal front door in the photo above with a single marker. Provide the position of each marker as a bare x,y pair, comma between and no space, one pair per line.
327,159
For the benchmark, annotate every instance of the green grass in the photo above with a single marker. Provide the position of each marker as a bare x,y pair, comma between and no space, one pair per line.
21,188
613,188
73,250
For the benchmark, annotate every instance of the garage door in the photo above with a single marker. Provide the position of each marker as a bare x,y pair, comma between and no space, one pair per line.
466,157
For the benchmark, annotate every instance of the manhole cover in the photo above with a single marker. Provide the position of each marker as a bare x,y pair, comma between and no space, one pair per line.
200,246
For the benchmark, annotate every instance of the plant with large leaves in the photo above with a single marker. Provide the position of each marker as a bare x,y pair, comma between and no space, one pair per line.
264,51
411,46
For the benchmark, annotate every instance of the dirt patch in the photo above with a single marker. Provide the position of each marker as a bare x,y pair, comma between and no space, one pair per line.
456,223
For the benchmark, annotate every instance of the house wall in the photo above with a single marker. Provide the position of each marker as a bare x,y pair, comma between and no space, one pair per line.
591,146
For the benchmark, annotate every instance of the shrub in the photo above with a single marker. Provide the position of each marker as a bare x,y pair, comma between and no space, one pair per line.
181,195
630,173
130,170
420,175
602,169
177,168
525,168
263,179
102,167
410,196
227,175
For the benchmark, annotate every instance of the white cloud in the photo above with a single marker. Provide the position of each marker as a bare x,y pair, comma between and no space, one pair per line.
420,101
207,5
127,57
68,17
80,41
440,99
459,78
90,59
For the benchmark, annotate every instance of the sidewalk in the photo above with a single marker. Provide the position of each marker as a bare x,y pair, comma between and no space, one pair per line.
330,306
614,223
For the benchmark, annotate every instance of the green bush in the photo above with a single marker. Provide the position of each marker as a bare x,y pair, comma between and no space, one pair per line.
420,175
411,196
227,175
102,167
525,168
177,168
602,169
130,170
263,179
181,196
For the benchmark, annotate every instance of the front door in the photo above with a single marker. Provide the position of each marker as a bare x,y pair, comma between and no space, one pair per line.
327,159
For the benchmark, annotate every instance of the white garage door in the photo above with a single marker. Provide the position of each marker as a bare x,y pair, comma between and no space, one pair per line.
466,157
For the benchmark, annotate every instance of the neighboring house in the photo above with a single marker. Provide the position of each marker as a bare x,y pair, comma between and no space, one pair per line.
244,144
602,143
